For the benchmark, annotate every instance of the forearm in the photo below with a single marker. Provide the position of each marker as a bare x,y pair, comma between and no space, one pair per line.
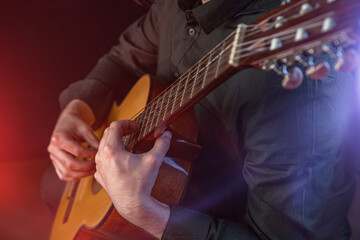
80,109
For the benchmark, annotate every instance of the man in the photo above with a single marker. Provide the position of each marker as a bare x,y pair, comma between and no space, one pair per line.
271,166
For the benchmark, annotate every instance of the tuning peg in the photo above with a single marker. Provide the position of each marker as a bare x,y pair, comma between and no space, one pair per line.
328,24
331,49
301,34
319,71
305,8
348,62
293,79
283,2
306,61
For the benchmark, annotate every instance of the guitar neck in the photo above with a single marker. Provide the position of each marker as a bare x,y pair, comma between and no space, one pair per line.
294,32
188,89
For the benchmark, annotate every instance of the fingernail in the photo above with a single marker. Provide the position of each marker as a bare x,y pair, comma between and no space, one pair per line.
167,134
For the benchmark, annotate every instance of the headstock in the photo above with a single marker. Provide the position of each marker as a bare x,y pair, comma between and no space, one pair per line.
297,32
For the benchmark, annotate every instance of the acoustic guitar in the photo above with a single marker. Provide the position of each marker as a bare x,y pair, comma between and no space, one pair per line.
292,33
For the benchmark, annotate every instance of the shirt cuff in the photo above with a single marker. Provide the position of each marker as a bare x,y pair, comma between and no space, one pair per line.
186,224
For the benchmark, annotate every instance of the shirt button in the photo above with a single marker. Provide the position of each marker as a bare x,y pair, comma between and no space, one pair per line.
191,31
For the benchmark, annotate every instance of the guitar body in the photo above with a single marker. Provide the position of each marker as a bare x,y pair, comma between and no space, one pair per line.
86,211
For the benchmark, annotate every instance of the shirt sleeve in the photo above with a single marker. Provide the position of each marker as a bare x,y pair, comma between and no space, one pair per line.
116,72
191,225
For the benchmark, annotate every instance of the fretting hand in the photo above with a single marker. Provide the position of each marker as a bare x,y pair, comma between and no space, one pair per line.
129,178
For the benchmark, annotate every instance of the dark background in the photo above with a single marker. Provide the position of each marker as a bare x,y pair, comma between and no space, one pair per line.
44,46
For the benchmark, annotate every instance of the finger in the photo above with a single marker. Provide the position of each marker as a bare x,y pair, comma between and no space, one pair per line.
116,132
66,174
91,139
70,162
103,141
161,147
73,147
126,126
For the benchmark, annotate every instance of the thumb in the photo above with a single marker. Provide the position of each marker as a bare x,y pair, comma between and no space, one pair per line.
161,146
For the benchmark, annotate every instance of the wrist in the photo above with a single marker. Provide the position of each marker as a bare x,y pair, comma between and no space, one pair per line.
149,214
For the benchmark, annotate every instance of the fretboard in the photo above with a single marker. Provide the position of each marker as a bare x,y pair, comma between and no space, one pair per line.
189,88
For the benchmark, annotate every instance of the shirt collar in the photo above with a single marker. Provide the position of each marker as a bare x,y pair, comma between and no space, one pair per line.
213,13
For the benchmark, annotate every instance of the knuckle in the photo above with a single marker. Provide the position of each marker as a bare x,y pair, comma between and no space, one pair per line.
62,177
76,152
109,151
56,138
152,162
97,160
49,148
84,128
113,124
69,165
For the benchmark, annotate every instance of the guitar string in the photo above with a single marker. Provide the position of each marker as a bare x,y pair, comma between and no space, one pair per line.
256,50
256,40
181,86
260,48
195,68
258,29
289,31
258,26
199,76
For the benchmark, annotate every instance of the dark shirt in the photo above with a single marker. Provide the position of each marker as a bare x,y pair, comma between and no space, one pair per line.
271,166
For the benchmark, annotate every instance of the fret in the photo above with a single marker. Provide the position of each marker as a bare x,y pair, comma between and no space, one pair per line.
186,82
206,70
134,140
147,111
167,103
126,140
161,107
220,58
139,117
176,94
153,115
195,78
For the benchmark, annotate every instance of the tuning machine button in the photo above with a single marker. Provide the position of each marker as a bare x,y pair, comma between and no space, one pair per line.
291,79
315,71
319,71
348,62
